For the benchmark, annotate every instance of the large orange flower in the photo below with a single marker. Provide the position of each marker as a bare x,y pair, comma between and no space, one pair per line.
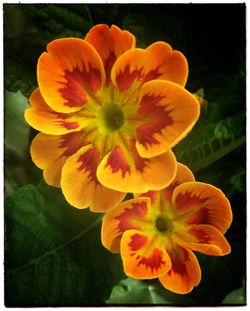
157,231
109,114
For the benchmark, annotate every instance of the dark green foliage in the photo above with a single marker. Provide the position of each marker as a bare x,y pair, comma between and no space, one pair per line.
53,252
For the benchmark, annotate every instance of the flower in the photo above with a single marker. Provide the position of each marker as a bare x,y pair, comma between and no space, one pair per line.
109,114
156,232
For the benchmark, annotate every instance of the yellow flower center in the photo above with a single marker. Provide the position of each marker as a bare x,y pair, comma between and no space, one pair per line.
164,224
113,117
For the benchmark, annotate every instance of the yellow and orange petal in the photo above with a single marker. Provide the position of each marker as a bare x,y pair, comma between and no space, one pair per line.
183,174
130,214
185,273
124,170
200,203
206,239
80,185
69,74
158,61
41,117
170,113
143,256
50,152
110,43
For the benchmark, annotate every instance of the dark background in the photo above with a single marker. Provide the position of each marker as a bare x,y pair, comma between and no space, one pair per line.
213,39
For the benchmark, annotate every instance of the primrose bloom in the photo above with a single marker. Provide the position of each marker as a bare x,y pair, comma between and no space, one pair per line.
109,114
157,231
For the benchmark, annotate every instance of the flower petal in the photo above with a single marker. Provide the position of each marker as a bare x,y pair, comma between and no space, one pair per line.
153,195
143,256
207,240
41,117
110,43
80,185
69,73
128,215
126,171
183,174
185,273
158,61
50,152
171,113
200,203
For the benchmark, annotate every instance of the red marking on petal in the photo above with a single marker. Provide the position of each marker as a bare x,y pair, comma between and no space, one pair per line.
69,125
65,124
78,80
108,64
89,162
72,142
138,210
201,235
138,241
200,217
151,194
140,162
117,161
168,192
154,261
158,117
188,200
179,262
152,74
125,79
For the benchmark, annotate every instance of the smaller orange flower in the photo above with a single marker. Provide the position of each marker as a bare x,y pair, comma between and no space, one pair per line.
158,231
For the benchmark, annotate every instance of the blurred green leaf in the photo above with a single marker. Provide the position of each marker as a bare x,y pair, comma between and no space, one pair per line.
236,297
16,141
16,129
136,292
53,252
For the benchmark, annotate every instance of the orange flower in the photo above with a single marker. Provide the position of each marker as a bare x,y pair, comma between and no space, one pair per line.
109,114
157,231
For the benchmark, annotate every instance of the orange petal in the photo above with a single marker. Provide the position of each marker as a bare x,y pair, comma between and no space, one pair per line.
200,203
128,215
170,113
110,43
50,152
124,170
80,185
185,273
158,61
143,256
183,174
153,195
69,73
208,240
41,117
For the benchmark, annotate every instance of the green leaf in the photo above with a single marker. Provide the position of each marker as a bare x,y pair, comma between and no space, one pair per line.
236,297
136,292
16,141
209,143
53,252
57,21
16,129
